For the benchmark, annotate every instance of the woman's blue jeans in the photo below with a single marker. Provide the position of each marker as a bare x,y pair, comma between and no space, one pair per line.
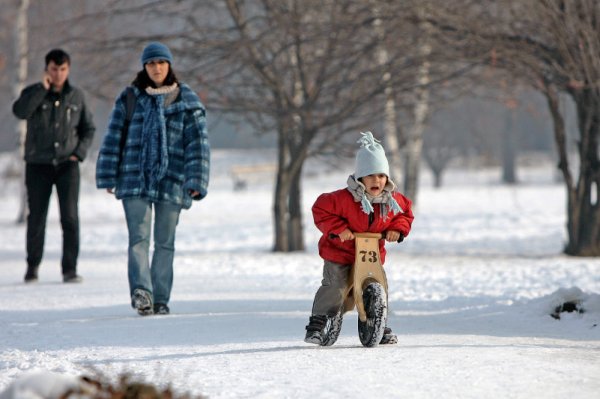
156,278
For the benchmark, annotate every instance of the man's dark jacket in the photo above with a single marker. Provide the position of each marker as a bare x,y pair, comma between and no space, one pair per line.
58,124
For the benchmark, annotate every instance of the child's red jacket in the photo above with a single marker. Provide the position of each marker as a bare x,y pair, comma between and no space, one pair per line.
336,211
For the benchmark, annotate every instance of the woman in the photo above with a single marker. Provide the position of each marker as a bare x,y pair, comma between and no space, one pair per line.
161,166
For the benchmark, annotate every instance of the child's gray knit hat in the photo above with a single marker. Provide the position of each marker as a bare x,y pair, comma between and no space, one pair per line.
370,158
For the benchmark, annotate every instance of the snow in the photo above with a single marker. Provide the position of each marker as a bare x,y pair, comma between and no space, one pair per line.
42,384
471,292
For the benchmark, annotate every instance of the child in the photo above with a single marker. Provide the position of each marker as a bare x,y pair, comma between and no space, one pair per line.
368,204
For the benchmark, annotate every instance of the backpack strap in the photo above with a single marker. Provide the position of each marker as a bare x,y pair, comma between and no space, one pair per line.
131,100
129,109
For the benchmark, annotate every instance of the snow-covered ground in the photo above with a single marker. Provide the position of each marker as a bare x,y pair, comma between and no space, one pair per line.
471,291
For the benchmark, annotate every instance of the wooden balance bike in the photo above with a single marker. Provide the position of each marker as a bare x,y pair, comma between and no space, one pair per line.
367,291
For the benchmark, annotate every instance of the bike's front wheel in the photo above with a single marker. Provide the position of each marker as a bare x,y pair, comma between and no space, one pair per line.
371,331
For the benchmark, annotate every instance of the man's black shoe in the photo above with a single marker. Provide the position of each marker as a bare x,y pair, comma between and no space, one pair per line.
32,275
72,278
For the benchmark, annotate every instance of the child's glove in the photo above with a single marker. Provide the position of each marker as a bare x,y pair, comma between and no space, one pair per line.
393,235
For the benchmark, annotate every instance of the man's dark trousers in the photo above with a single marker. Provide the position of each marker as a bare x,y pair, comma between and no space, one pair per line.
39,179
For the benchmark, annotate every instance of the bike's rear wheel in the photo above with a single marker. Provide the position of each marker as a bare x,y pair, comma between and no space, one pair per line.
371,331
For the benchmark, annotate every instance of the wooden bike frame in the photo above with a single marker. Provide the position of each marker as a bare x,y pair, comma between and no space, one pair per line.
367,268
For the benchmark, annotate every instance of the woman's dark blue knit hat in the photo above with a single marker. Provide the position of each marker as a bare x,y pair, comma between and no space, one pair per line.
156,51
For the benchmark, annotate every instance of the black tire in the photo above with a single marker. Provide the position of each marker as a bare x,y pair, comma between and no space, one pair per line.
375,300
332,331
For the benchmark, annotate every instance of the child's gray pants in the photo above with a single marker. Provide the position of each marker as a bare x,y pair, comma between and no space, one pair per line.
330,295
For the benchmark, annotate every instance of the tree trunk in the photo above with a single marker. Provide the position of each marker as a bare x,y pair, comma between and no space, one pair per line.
281,214
295,228
583,206
287,204
437,162
509,174
287,212
392,145
391,136
21,127
583,210
280,200
414,143
437,178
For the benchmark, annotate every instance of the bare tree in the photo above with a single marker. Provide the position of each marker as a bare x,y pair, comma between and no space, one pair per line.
22,53
414,142
439,148
307,70
552,46
390,111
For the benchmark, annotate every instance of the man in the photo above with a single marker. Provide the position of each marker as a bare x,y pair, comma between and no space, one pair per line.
59,132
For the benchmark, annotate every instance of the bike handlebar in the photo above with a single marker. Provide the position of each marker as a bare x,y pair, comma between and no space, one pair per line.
379,236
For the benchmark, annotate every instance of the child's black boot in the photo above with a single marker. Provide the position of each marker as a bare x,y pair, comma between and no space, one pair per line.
389,337
323,330
315,329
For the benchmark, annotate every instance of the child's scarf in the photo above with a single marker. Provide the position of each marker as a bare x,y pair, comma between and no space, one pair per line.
386,199
154,160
